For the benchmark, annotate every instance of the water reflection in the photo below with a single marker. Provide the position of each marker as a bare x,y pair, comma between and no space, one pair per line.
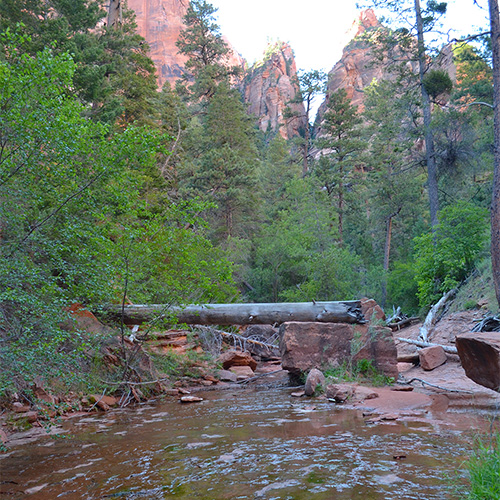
239,445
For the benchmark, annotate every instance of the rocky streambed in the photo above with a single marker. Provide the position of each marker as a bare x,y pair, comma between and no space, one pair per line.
253,442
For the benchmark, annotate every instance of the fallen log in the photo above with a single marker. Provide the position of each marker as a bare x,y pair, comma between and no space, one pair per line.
432,316
419,343
242,314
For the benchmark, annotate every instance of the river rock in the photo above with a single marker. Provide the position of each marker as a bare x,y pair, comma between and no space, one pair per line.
432,357
480,357
237,358
227,376
242,372
314,345
339,392
314,378
190,399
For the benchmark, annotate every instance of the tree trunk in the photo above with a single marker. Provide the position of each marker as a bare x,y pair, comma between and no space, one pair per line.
432,185
495,200
114,13
243,314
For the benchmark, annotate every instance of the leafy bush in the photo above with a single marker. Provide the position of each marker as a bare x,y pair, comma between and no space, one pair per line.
445,257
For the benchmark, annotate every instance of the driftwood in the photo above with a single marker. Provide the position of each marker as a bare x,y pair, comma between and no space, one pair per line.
243,314
424,382
419,343
431,319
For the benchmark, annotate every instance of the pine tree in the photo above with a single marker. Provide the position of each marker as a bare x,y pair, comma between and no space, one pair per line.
341,148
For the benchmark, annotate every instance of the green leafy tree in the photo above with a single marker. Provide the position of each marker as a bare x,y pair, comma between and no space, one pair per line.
422,20
72,202
114,75
445,257
311,84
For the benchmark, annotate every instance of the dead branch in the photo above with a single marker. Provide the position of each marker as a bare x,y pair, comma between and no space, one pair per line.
431,319
235,336
258,376
424,382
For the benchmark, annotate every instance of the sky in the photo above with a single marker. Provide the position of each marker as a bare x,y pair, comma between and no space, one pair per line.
315,29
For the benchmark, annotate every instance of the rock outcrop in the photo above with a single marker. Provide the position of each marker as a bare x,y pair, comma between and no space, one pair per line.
160,23
356,69
317,345
269,87
480,357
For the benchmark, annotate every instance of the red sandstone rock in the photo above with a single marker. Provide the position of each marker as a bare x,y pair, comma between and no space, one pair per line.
432,357
314,379
269,88
339,392
314,345
160,23
372,311
242,372
190,399
237,358
480,357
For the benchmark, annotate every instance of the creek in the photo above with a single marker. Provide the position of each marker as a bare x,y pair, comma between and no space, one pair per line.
242,444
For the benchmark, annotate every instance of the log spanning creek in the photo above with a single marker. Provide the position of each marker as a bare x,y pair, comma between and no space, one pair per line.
244,443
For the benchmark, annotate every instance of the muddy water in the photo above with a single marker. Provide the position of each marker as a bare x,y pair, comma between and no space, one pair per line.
241,444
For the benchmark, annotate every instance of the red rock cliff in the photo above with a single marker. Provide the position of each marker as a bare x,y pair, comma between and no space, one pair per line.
269,86
160,22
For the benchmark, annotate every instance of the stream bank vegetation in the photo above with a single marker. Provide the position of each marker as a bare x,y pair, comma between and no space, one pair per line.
112,192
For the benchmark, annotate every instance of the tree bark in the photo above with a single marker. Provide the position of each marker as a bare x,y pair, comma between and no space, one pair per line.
432,185
243,314
495,199
114,13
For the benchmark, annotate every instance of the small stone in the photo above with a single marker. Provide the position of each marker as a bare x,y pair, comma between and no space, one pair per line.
402,388
314,378
227,376
432,357
19,407
190,399
404,367
237,358
298,394
181,390
242,372
339,392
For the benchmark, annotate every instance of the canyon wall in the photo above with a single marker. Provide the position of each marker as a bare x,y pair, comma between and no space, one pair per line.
269,87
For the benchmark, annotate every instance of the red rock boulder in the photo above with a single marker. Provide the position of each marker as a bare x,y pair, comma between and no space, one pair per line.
432,357
480,357
305,346
237,358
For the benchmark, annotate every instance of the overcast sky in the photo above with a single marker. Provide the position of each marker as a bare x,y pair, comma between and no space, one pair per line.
316,29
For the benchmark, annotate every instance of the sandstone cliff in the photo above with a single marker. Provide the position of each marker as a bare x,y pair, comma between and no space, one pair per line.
356,70
269,85
160,22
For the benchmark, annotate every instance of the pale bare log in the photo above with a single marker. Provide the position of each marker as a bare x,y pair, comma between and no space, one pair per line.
431,319
244,314
419,343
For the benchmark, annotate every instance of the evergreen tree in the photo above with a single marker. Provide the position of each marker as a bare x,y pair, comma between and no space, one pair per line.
207,51
341,147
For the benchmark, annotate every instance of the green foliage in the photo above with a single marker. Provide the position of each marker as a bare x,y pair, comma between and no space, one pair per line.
437,82
76,224
362,372
444,258
113,74
297,256
484,469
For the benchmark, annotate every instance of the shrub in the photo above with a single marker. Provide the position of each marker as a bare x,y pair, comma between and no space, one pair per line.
445,257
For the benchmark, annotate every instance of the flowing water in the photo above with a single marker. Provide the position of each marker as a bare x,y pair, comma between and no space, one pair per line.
241,444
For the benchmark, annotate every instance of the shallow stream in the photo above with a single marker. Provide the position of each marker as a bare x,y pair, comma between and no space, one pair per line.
242,444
